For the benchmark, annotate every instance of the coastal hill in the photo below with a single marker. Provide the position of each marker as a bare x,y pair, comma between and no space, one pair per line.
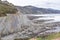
35,10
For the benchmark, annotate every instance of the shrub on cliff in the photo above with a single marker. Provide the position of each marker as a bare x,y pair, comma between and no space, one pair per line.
6,9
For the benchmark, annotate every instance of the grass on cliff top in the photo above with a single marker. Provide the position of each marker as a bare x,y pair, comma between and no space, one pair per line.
5,9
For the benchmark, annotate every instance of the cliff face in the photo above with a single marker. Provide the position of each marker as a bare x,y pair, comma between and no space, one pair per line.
13,22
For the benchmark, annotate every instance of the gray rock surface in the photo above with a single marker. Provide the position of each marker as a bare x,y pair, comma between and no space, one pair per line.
19,26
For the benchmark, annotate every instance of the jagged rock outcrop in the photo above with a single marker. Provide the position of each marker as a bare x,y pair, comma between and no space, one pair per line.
13,23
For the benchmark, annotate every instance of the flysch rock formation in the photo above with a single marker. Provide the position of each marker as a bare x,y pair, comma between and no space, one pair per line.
13,23
19,26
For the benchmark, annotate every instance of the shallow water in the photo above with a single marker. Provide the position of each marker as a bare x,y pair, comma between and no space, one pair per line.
56,17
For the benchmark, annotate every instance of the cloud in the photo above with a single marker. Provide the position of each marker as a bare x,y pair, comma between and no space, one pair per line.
26,2
39,3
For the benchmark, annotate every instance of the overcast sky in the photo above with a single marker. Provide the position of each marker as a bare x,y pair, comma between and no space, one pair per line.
55,4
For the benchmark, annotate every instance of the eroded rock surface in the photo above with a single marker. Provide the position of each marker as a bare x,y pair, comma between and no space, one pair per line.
19,26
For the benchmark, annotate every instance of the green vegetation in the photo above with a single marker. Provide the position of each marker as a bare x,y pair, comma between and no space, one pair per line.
50,37
53,36
39,38
6,9
23,39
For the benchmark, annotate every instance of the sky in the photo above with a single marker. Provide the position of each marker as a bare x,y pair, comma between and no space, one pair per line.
55,4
